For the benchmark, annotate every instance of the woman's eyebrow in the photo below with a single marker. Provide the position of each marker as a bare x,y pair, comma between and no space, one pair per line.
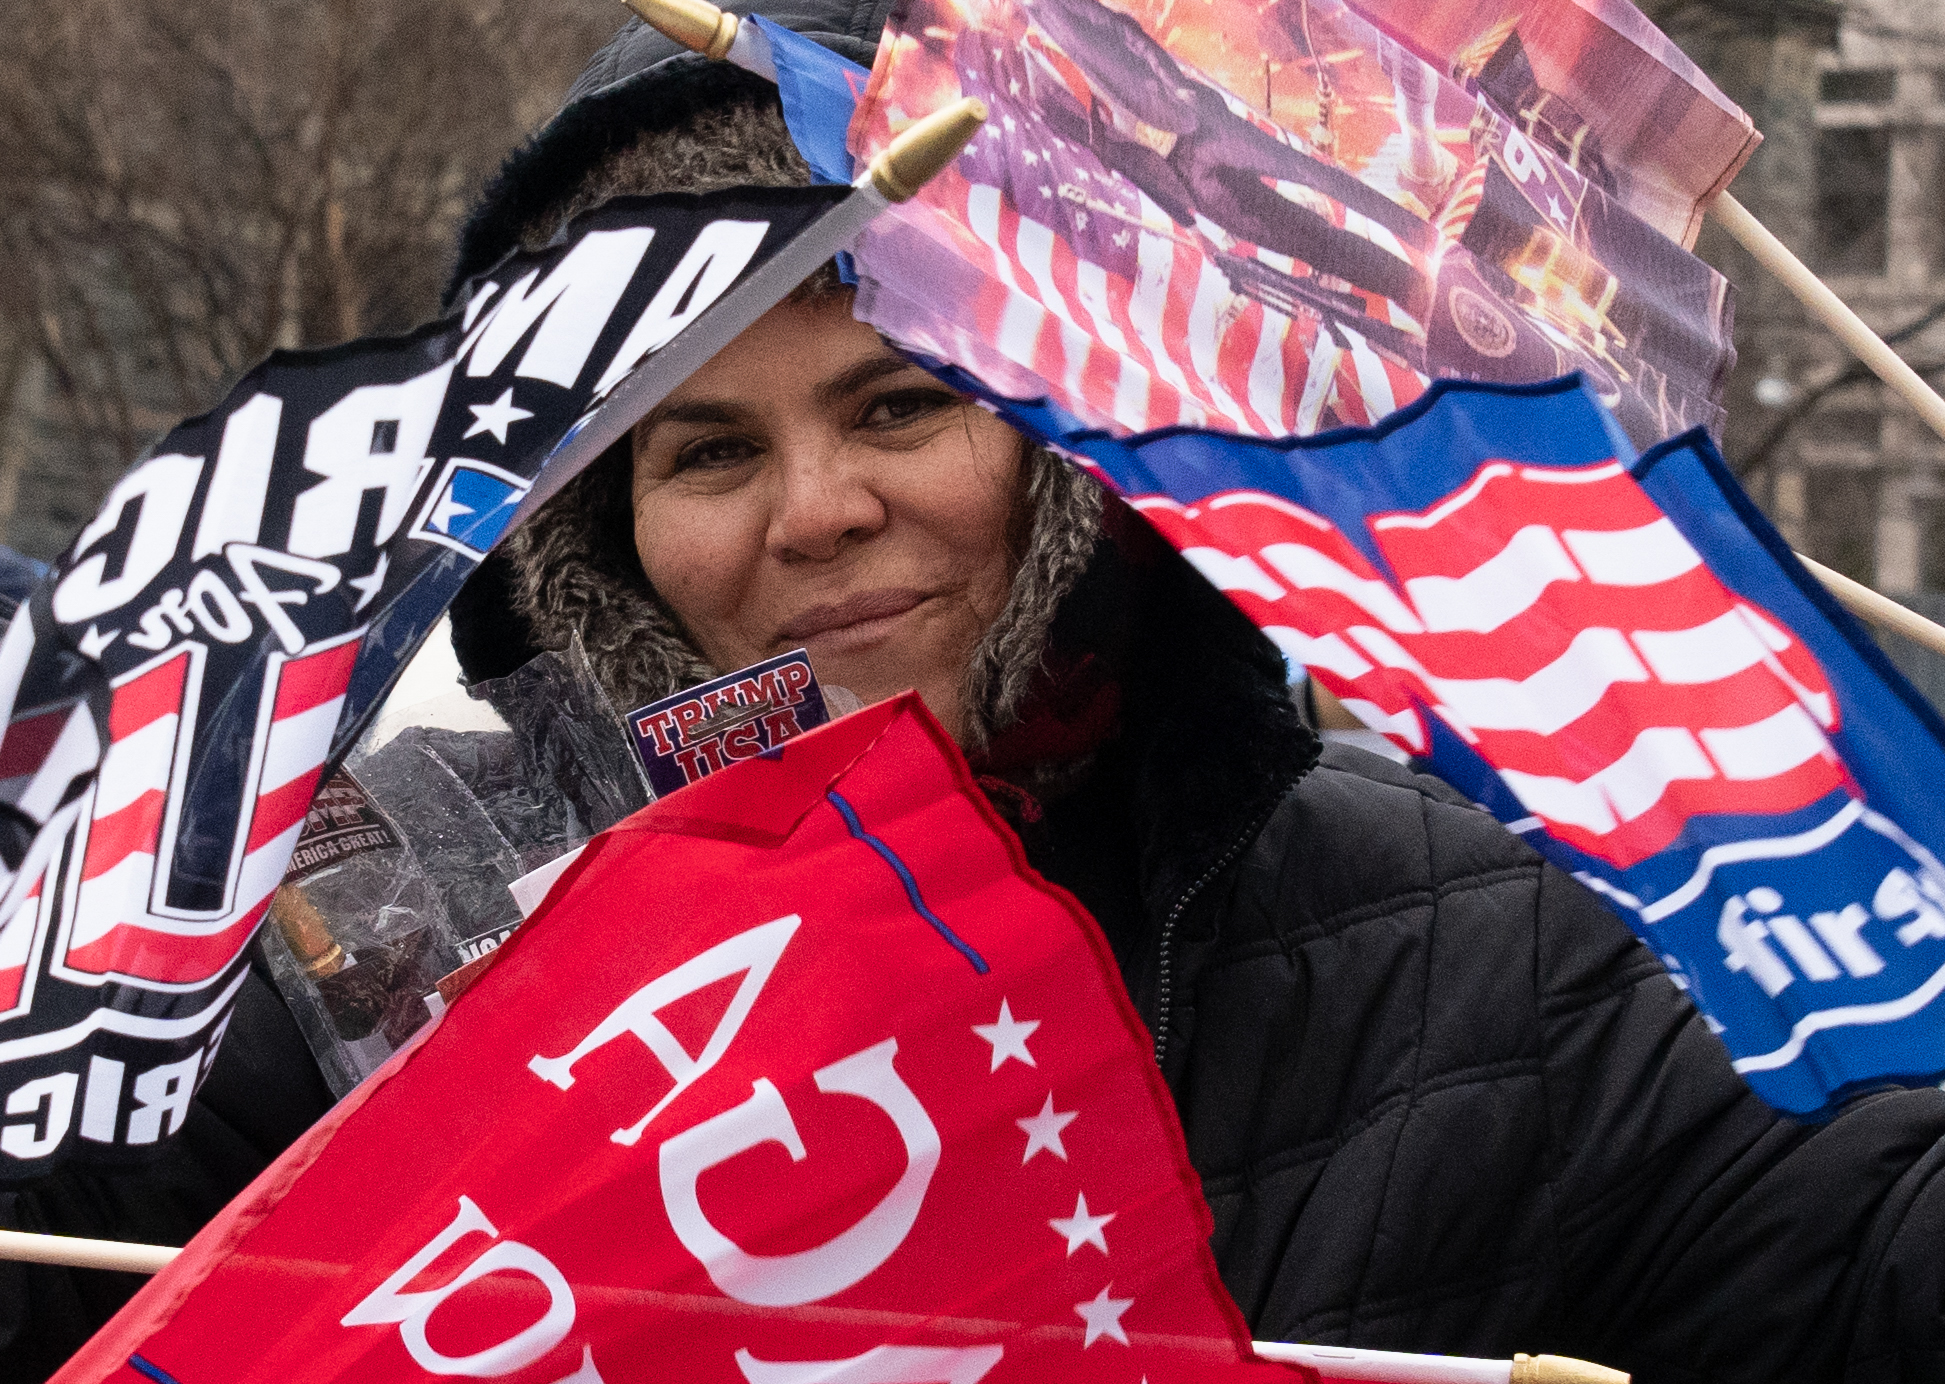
856,377
707,412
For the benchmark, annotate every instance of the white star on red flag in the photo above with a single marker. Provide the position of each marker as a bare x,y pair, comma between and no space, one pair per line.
947,1278
1103,1317
1081,1228
1008,1037
1043,1131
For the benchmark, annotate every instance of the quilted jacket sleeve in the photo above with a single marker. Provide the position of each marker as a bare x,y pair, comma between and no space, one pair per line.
1703,1236
1443,1100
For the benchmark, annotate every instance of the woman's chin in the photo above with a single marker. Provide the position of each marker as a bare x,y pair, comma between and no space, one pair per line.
876,666
868,688
872,689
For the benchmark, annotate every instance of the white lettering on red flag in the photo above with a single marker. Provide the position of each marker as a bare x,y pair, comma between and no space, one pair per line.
845,1005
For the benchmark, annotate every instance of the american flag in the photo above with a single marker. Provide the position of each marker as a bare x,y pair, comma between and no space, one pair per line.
1615,657
1556,621
122,927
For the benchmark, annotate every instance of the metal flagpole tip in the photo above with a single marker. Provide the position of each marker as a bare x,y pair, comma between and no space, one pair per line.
910,161
695,24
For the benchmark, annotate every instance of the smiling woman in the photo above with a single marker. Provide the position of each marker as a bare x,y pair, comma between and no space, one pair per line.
1439,1097
809,486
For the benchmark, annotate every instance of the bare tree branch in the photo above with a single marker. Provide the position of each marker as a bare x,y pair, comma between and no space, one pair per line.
1853,372
183,187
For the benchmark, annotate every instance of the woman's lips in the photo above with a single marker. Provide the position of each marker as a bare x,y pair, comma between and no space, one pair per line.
854,615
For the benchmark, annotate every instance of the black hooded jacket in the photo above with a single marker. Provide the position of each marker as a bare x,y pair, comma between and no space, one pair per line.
1440,1098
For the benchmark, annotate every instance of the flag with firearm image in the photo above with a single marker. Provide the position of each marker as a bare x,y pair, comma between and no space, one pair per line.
1279,219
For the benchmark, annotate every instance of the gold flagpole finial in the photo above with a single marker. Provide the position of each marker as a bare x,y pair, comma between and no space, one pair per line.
694,24
910,161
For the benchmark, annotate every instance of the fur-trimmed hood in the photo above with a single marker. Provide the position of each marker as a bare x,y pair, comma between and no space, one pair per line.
639,81
647,119
1117,686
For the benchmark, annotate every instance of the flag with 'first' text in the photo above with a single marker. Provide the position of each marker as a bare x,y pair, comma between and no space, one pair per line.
1620,657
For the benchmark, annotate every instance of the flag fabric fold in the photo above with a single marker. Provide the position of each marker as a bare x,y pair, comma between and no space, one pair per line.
1598,83
217,635
819,90
849,1095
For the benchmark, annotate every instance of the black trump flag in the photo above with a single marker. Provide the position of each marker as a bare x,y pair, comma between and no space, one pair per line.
218,634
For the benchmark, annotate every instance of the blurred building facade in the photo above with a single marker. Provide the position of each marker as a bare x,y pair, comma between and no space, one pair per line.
1850,97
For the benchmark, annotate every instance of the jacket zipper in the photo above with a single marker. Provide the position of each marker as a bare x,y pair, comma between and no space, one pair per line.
1165,972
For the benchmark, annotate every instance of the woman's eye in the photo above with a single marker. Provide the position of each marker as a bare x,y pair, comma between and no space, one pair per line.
715,454
906,406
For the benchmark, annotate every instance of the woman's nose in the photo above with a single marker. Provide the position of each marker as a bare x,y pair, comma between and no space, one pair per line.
825,504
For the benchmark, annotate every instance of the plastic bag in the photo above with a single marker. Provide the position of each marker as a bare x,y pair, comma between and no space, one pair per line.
357,935
471,791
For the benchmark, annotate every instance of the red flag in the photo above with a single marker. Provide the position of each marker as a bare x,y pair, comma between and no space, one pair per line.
800,1074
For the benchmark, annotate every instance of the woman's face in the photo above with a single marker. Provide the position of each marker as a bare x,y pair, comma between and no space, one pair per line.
808,487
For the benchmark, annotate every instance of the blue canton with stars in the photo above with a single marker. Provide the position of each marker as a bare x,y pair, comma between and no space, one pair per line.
472,507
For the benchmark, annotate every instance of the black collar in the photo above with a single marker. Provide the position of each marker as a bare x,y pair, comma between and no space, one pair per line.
1214,738
1205,738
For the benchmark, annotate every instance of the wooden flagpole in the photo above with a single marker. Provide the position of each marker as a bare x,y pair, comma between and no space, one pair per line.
1397,1367
75,1253
122,1257
1831,310
1885,363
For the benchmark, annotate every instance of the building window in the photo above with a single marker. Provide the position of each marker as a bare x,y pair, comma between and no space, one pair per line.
1843,427
1875,85
1853,194
1931,544
1841,527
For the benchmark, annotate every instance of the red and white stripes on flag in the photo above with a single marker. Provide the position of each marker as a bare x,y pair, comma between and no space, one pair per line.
18,935
1556,621
119,925
1173,345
